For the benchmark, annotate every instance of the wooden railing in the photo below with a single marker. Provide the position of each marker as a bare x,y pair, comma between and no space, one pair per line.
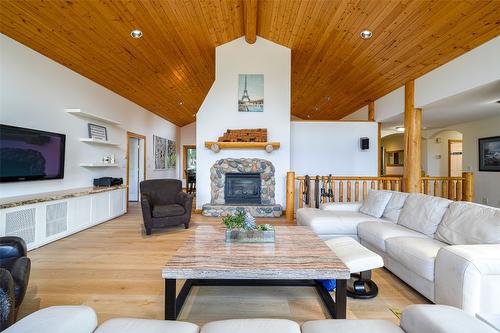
324,189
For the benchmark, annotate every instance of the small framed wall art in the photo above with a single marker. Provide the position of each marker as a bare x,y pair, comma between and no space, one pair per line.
98,132
489,154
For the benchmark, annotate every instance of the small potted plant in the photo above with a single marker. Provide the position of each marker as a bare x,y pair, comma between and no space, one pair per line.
241,228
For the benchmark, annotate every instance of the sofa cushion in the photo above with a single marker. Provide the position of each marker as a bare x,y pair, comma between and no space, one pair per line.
440,319
375,233
415,253
469,223
349,326
375,203
251,326
394,206
168,210
132,325
57,319
332,222
423,213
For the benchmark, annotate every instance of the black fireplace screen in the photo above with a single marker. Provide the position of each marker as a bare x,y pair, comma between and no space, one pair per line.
242,188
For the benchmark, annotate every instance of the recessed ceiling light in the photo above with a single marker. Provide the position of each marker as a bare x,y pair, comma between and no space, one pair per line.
328,98
366,34
136,33
308,116
400,128
316,108
181,103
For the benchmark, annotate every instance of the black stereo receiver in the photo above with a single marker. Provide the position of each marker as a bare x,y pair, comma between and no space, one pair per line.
108,181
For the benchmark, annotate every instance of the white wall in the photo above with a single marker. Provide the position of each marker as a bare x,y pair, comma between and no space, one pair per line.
36,90
472,69
361,114
486,184
219,110
437,152
187,137
322,148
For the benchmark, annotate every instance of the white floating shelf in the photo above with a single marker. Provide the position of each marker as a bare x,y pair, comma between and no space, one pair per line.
98,142
87,115
98,165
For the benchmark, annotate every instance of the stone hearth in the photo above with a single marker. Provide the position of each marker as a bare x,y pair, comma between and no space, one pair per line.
217,205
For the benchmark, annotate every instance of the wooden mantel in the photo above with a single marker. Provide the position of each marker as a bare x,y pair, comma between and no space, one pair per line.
242,145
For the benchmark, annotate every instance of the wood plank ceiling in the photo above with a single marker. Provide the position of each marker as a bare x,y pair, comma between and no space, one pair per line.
171,68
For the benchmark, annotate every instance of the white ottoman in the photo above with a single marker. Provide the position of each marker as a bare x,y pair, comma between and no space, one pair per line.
251,326
349,326
133,325
359,260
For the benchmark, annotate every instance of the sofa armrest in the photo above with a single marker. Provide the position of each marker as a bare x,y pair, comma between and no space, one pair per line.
57,319
341,206
185,200
468,277
21,274
147,207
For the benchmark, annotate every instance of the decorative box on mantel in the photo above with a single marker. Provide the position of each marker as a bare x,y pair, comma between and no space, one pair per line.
243,139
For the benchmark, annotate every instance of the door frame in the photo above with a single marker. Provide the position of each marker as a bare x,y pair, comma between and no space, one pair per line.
450,141
184,158
137,136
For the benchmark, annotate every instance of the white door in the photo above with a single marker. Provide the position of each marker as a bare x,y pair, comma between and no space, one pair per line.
133,170
455,158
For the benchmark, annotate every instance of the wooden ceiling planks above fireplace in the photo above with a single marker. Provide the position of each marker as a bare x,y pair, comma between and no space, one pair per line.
171,68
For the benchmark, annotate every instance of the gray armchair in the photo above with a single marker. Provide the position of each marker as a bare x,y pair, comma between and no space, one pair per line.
164,204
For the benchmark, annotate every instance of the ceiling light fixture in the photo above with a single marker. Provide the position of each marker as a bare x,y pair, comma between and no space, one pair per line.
136,33
366,34
316,108
328,98
181,103
400,128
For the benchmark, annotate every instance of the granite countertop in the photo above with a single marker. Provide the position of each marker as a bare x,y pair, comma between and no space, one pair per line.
56,195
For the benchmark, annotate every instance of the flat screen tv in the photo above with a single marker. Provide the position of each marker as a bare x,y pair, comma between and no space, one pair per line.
29,154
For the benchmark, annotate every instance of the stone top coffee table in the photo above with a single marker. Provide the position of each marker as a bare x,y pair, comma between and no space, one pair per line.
297,258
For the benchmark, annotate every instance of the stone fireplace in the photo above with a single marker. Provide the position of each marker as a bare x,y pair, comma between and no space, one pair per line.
242,184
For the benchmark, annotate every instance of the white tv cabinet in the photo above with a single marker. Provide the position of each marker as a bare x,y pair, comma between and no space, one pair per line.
47,217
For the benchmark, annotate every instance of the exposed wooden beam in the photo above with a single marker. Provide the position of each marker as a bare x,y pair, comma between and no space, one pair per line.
412,138
371,111
250,20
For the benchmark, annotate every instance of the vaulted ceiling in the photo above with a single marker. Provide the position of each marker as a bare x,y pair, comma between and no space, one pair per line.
171,68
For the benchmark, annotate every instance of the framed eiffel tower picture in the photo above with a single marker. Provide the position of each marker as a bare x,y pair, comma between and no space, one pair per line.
251,93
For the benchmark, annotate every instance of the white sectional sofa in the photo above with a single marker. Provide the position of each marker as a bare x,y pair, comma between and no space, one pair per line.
448,251
414,319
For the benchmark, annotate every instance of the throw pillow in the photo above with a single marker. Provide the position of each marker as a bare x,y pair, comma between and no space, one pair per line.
375,203
469,223
394,206
423,213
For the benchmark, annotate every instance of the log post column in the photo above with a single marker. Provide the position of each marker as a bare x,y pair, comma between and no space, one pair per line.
412,139
468,186
290,195
371,111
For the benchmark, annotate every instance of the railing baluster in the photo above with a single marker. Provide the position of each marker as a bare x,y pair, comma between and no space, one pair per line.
458,193
372,185
301,194
436,188
341,191
397,186
444,189
452,189
356,191
349,191
365,190
380,184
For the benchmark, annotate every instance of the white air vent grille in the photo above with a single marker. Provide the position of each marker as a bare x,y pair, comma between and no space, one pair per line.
56,219
21,223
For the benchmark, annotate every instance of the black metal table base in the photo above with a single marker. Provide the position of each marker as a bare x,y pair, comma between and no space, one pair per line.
336,309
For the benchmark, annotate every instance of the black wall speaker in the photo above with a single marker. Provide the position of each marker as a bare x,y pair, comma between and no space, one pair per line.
364,143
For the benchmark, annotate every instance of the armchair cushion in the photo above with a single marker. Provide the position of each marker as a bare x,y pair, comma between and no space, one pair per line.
168,210
21,273
7,299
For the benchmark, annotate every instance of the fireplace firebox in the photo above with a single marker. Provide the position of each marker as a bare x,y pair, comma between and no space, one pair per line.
242,188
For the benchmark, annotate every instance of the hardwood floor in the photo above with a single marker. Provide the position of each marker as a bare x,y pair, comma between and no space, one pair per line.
116,269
